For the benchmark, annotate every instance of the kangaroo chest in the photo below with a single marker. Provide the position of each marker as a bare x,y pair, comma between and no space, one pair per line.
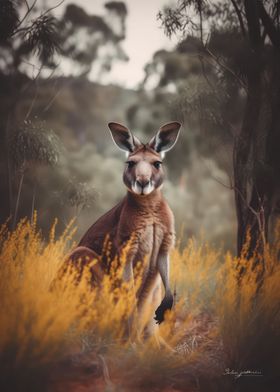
150,238
146,233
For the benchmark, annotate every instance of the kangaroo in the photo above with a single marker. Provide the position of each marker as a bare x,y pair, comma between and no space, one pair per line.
143,217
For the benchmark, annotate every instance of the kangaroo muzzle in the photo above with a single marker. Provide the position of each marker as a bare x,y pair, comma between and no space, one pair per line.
143,186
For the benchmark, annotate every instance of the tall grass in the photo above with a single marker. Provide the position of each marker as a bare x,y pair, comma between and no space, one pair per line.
220,321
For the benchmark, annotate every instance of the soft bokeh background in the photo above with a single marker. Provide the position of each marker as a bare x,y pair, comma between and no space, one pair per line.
116,64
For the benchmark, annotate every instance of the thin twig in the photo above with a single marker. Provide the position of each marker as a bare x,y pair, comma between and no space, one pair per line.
33,201
31,64
49,104
52,8
18,197
260,216
239,15
23,90
200,23
9,168
36,92
28,12
32,104
27,5
225,67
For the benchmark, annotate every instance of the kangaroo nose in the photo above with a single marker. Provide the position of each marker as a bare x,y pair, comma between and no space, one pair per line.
142,183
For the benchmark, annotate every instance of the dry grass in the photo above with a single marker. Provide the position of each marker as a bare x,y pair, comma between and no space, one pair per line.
75,338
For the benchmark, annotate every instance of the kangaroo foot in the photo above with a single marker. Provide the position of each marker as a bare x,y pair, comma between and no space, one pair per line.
166,304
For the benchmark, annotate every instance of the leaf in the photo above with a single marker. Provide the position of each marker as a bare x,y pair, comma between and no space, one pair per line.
43,37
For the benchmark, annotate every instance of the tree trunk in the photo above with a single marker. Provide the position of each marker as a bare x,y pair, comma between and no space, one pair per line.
249,150
243,165
272,149
257,162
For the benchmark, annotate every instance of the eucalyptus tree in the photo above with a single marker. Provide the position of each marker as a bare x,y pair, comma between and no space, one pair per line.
79,195
33,46
23,33
241,40
32,145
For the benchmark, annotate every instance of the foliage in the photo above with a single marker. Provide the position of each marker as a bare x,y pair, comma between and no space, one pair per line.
83,35
42,37
241,40
80,195
117,6
34,144
219,321
194,16
22,36
29,37
9,19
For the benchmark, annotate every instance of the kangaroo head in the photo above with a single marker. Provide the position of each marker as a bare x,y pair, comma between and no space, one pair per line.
143,171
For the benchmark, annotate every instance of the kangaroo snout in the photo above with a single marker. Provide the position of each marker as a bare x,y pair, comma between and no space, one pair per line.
142,182
143,186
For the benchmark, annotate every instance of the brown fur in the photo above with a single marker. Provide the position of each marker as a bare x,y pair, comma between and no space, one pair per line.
151,222
148,218
145,220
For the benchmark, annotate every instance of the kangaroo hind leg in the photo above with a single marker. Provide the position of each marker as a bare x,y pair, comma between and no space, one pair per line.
77,261
83,257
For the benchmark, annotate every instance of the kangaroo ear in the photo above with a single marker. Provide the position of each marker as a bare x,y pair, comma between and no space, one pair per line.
123,137
166,137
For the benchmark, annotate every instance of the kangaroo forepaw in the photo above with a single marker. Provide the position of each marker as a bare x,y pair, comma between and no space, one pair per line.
166,304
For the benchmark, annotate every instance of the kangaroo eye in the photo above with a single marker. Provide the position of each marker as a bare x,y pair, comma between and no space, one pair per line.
130,164
157,164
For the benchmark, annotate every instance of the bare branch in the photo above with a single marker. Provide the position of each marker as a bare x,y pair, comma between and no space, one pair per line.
201,58
259,215
31,65
52,8
36,93
252,16
225,67
28,12
270,29
27,86
200,22
49,104
27,5
31,105
239,15
234,188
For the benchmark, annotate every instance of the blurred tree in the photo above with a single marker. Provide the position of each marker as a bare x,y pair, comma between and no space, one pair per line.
241,40
31,146
33,46
20,36
195,93
85,38
79,195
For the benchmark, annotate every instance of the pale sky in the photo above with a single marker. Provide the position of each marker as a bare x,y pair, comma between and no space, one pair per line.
143,36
